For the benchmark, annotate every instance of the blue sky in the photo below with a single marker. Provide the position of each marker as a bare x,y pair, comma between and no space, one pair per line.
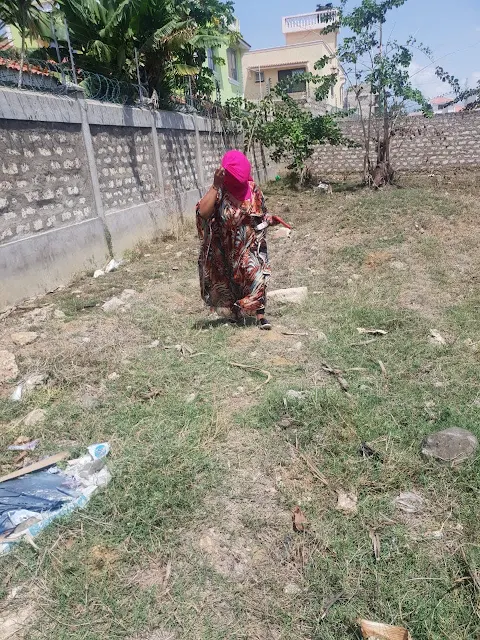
450,29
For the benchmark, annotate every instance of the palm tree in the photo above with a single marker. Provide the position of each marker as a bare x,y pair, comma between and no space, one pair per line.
27,17
169,35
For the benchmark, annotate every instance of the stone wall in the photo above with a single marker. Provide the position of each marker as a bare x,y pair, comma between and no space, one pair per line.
43,182
449,141
82,180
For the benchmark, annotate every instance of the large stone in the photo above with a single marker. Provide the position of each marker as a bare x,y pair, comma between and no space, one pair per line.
37,416
24,337
112,305
452,445
297,295
8,366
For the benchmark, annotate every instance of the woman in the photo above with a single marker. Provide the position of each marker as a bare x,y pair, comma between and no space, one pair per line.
232,221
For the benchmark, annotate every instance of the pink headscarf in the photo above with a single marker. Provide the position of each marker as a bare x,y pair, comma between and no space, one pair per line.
237,175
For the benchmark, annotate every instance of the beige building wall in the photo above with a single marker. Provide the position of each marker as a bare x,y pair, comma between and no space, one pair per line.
303,55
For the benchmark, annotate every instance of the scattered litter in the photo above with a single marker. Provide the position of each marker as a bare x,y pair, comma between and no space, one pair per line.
409,502
22,338
27,446
371,332
32,497
24,388
36,416
113,376
323,186
113,265
99,273
437,338
379,631
190,399
299,520
367,452
20,460
184,349
375,538
252,368
293,296
346,502
8,366
154,344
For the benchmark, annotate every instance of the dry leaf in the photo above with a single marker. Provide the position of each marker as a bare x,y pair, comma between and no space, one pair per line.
379,631
437,337
347,502
21,440
299,520
375,538
371,332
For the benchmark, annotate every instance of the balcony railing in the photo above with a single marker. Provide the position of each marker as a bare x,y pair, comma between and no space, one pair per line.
309,21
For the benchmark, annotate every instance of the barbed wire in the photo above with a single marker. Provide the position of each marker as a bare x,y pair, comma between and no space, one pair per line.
58,78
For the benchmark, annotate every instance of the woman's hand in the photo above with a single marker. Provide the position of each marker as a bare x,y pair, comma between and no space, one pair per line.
219,178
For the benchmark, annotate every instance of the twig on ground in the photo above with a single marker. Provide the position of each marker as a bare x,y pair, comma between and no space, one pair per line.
364,343
382,368
293,333
329,604
249,367
337,373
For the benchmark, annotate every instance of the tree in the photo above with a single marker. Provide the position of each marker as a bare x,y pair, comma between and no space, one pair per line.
370,61
289,131
470,97
170,37
27,17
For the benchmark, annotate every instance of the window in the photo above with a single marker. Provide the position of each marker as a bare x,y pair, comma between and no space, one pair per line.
210,62
259,76
232,64
294,87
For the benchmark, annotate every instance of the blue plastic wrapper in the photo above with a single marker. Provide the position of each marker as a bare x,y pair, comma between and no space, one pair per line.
37,492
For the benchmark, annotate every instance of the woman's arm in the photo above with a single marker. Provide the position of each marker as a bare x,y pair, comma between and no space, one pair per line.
206,206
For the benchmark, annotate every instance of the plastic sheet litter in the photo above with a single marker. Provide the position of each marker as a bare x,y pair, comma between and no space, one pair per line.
28,504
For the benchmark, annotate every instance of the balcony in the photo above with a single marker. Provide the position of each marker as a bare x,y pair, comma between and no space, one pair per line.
309,21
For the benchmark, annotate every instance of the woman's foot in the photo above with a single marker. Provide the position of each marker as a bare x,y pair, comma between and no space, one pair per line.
263,323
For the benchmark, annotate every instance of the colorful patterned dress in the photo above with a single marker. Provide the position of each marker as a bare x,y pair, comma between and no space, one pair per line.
233,262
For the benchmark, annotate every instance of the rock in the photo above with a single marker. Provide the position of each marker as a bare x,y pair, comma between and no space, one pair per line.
409,502
112,266
8,366
398,265
281,232
346,502
291,589
153,344
99,273
23,338
295,395
112,305
322,336
37,416
41,314
113,376
128,294
452,445
190,399
58,314
437,338
293,296
89,401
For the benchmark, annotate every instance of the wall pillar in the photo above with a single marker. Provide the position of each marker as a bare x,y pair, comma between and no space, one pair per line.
199,154
92,167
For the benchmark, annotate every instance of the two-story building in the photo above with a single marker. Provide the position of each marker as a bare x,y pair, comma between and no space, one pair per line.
305,44
228,76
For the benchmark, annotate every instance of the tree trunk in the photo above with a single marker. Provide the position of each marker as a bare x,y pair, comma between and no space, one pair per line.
22,58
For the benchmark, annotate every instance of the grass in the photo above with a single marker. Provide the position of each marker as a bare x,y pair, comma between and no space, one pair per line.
203,488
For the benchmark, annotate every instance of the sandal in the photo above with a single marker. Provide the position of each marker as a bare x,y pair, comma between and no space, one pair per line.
264,324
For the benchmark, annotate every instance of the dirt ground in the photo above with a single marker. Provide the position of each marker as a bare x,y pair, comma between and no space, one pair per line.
193,539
